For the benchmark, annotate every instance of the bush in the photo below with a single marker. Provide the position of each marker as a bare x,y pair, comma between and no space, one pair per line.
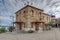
2,30
11,28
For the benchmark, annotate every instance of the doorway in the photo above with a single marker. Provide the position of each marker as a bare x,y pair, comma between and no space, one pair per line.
36,26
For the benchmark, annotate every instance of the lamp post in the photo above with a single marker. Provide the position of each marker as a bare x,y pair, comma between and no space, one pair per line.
12,17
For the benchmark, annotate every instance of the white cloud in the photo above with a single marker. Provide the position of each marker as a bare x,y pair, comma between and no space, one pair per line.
58,8
6,18
57,15
49,6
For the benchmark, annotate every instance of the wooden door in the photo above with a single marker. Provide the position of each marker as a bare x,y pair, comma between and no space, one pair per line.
20,26
36,26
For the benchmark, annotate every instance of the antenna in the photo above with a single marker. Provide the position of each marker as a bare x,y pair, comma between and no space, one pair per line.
27,3
31,3
24,3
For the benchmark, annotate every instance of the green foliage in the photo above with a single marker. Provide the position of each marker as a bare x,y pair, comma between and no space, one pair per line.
11,28
58,20
0,25
2,30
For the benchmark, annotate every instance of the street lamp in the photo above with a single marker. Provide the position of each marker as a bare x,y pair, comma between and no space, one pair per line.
12,17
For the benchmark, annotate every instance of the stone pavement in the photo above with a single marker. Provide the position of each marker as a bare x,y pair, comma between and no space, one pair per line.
53,34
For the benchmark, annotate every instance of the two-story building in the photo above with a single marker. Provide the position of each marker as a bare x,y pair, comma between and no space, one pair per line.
31,18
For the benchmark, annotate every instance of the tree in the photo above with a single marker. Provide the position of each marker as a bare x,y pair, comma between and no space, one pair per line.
0,25
2,30
11,28
58,20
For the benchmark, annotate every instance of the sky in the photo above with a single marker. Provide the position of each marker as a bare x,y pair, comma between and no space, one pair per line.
9,7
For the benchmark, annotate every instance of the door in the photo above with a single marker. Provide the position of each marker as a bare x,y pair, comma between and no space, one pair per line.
20,26
36,26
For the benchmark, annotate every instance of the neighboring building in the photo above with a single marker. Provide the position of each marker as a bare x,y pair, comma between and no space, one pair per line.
53,20
30,17
57,22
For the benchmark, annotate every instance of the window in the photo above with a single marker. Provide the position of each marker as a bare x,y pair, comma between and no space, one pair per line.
16,15
47,18
43,17
40,16
20,14
32,12
24,13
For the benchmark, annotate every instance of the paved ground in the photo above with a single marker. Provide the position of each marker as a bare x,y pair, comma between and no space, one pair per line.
53,34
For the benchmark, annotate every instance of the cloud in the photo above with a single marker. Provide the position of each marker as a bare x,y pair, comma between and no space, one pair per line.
9,7
57,14
58,8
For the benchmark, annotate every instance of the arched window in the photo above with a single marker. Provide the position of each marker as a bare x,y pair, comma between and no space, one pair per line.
24,13
47,18
32,12
19,14
16,16
40,17
43,17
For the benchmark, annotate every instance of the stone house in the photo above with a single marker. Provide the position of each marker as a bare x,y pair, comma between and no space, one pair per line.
31,18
